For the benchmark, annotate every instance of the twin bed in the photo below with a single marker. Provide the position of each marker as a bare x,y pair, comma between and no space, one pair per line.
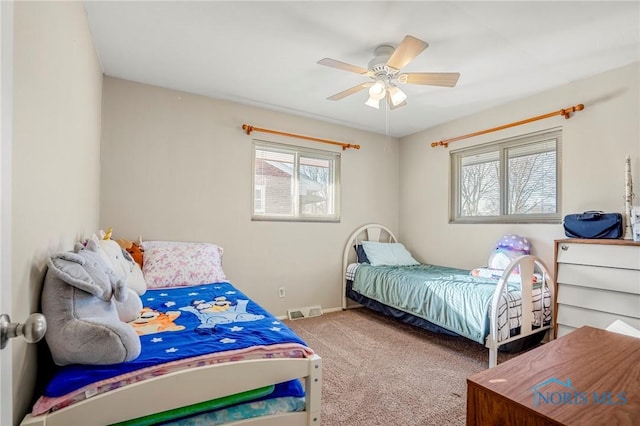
513,311
210,355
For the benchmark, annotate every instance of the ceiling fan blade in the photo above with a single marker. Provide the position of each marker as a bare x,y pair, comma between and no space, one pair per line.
408,49
350,91
342,65
392,106
445,79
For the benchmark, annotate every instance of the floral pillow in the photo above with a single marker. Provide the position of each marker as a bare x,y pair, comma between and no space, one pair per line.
172,264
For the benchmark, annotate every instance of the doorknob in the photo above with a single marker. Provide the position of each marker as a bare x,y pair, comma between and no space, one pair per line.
32,330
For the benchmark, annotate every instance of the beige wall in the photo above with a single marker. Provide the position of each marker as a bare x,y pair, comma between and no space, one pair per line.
177,166
595,144
56,148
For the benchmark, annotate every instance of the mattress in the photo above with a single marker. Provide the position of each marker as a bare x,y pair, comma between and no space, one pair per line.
274,399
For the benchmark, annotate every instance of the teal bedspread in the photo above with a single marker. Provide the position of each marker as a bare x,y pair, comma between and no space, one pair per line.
448,297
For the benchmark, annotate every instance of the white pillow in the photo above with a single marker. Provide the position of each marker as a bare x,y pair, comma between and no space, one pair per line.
388,254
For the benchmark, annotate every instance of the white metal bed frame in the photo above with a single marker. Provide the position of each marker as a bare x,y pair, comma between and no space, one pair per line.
527,265
191,386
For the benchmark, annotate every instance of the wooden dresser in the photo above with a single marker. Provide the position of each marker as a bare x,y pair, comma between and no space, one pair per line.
588,377
597,282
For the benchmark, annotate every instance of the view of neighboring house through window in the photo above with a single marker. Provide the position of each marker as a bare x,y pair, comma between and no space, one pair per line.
513,180
295,183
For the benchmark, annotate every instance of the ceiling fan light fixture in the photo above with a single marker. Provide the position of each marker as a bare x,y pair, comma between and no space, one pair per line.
397,96
385,73
373,103
377,91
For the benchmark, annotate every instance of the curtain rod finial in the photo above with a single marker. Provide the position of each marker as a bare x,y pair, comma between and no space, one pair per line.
566,113
247,128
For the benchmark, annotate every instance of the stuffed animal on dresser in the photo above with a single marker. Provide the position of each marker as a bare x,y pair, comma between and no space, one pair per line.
79,301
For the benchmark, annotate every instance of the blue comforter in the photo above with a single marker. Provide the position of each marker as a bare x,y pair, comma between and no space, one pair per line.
183,322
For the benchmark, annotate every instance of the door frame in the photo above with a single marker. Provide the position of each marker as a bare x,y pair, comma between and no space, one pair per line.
6,139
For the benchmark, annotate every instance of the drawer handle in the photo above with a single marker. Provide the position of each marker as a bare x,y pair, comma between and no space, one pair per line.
564,247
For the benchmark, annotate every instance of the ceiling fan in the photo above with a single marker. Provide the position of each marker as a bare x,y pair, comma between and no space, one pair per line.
384,70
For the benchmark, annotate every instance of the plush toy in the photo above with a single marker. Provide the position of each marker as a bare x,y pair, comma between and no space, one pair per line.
129,309
106,235
508,248
496,274
124,269
133,249
122,263
79,300
516,243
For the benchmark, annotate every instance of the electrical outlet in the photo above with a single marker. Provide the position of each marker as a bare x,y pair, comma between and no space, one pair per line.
281,292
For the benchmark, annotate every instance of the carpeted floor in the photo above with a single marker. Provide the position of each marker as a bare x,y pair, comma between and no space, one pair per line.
377,371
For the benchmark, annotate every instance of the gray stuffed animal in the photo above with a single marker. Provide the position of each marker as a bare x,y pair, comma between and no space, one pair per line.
83,326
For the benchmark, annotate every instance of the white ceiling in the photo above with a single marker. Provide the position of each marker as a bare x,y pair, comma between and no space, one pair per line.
264,53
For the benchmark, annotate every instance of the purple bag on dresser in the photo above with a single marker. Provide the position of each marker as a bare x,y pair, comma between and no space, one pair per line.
593,224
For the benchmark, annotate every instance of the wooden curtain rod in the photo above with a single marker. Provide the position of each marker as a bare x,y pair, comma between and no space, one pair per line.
344,146
566,113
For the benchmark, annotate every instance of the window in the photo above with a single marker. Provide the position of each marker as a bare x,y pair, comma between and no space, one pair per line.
294,183
510,181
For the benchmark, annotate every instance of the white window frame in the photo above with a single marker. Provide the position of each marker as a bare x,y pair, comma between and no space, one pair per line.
259,214
502,146
261,190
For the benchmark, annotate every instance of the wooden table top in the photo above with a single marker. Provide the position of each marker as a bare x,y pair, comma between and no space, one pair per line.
587,377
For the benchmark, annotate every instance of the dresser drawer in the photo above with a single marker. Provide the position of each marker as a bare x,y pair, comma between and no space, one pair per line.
577,317
624,280
600,300
614,256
